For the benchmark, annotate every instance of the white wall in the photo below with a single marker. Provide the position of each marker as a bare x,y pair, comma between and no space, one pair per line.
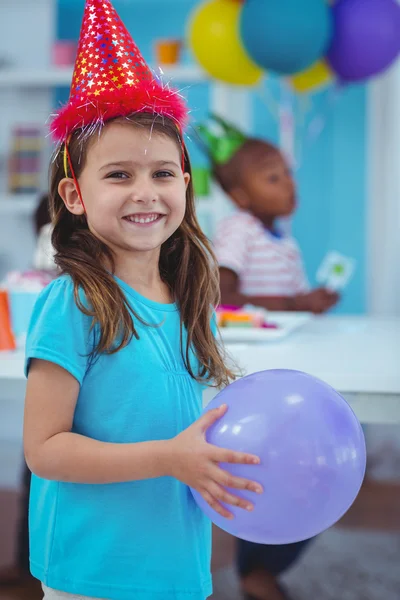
384,193
33,21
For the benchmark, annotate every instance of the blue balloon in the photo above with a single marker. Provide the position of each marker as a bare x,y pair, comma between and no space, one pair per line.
286,36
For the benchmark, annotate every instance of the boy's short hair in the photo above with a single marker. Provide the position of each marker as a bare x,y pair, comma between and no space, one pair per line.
229,175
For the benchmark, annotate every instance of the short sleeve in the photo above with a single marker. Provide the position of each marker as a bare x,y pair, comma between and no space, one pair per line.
231,243
58,330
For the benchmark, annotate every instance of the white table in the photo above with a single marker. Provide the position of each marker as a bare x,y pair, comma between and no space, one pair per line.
358,356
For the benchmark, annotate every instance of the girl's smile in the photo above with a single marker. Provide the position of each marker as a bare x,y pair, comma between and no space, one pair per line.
144,219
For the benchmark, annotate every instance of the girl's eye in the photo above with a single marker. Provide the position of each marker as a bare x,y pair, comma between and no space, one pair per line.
117,175
162,174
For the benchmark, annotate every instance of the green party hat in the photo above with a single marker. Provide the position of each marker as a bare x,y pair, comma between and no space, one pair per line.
220,147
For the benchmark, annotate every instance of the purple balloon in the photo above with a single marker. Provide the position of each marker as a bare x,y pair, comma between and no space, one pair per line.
366,39
312,452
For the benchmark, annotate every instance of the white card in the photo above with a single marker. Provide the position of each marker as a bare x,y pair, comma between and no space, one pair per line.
336,271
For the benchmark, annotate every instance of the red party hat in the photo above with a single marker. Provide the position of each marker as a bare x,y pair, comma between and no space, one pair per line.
111,77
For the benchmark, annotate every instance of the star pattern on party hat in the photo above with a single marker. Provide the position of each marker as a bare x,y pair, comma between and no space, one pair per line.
111,77
107,57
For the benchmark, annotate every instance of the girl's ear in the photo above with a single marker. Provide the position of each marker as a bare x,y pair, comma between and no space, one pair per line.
186,177
70,196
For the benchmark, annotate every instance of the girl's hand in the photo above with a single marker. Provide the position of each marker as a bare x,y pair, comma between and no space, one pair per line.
195,462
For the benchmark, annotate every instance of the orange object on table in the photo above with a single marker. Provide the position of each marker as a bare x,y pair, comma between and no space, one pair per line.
232,318
237,317
7,340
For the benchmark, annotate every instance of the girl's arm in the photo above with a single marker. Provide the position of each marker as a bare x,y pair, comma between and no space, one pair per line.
53,452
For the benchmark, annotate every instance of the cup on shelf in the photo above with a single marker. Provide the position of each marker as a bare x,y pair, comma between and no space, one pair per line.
167,51
64,53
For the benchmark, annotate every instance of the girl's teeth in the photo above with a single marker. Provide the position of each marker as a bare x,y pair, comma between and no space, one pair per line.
141,220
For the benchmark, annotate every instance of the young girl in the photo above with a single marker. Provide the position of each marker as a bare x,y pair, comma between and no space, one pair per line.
121,345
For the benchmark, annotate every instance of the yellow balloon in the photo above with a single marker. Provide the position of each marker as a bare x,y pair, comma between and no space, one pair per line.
214,36
315,77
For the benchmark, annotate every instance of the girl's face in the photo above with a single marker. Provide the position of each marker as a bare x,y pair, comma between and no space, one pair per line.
133,189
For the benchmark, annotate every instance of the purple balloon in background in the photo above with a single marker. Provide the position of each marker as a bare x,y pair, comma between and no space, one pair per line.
366,39
312,452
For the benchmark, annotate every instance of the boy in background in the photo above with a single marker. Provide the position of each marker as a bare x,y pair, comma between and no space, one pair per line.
259,264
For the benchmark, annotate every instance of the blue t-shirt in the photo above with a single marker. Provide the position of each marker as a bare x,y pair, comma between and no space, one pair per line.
139,540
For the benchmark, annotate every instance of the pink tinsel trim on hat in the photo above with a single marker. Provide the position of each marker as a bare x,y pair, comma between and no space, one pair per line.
147,96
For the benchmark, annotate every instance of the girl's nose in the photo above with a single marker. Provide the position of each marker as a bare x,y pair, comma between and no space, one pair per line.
144,193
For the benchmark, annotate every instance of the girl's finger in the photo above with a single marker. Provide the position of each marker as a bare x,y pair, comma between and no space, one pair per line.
210,417
215,505
230,456
230,481
222,495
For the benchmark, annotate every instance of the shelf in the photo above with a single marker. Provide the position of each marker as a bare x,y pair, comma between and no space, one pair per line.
18,204
62,76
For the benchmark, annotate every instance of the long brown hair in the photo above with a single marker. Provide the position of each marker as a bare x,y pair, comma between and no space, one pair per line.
187,265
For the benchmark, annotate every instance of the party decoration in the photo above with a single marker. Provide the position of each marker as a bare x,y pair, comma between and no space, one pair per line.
215,41
111,77
312,452
312,79
367,38
222,142
286,36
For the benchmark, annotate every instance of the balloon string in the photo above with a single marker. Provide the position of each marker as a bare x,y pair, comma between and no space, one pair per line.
287,125
266,96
